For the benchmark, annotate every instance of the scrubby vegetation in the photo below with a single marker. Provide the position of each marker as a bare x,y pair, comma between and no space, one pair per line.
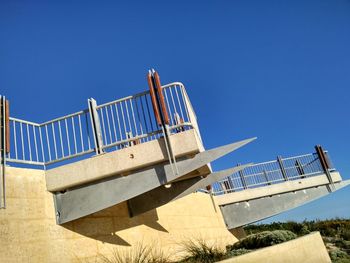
200,251
335,234
140,254
263,239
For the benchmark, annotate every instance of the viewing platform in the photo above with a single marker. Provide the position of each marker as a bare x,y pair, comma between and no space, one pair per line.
266,189
145,149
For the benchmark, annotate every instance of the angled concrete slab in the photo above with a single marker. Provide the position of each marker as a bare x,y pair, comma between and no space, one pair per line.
243,213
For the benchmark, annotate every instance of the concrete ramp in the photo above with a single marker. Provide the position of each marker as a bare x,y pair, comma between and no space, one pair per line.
246,212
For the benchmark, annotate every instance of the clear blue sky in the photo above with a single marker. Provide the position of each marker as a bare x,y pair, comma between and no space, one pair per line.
279,70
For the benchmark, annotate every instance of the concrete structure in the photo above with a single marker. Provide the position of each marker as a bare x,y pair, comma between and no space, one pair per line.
306,249
117,173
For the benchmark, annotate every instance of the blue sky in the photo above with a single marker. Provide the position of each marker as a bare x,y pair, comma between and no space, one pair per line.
278,70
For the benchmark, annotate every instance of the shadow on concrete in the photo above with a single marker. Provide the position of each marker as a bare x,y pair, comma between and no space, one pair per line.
105,225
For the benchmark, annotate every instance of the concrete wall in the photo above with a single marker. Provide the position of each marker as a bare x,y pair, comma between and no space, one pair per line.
28,231
306,249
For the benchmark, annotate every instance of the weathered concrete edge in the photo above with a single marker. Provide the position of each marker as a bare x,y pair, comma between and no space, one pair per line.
121,161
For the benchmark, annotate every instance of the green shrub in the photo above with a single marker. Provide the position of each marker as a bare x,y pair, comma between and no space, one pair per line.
237,252
199,251
345,234
331,228
139,254
339,256
342,244
263,239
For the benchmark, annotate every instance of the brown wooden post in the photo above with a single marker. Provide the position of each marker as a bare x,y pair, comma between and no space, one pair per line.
325,166
323,159
161,98
153,98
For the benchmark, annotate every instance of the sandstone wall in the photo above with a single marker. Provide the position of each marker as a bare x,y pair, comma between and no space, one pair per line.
28,231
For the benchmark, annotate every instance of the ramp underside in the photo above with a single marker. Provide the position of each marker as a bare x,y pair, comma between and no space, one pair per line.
93,197
163,195
246,212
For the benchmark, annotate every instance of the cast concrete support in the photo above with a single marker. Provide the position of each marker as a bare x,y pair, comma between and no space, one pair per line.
165,194
95,196
246,212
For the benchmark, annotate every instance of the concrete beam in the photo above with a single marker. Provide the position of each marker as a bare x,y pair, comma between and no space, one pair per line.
244,213
277,188
121,161
163,195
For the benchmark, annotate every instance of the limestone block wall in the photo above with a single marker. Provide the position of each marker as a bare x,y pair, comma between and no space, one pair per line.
28,230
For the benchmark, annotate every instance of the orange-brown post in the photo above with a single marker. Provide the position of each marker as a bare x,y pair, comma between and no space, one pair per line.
154,99
7,123
161,98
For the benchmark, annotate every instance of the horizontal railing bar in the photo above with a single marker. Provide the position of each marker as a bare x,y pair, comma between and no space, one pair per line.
136,95
65,117
70,157
24,161
145,135
87,110
249,186
297,157
122,99
24,121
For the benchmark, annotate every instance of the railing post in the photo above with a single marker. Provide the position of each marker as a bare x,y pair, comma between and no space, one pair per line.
4,148
300,169
96,126
266,177
241,175
192,116
325,165
283,170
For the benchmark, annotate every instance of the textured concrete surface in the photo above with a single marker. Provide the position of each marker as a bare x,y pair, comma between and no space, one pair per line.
122,161
306,249
28,230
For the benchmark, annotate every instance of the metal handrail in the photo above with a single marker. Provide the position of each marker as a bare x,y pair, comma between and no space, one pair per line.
268,173
123,123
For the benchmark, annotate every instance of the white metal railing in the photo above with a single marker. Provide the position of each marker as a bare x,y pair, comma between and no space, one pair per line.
131,119
272,172
120,123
